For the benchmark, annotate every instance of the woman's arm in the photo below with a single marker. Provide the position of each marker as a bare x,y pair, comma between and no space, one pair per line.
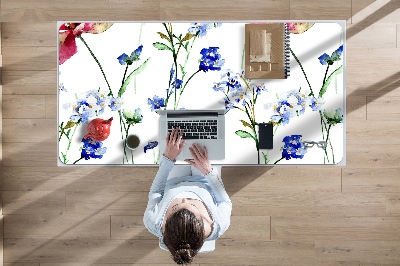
222,199
156,194
173,148
224,204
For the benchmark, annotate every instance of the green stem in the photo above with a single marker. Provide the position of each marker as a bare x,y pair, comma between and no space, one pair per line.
70,140
328,140
174,55
266,161
188,53
304,73
123,79
326,72
140,37
183,88
279,160
78,160
333,154
241,66
98,63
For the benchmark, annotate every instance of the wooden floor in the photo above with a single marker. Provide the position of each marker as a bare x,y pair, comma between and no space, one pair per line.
281,215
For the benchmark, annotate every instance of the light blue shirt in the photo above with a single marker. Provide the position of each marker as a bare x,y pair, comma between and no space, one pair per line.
209,188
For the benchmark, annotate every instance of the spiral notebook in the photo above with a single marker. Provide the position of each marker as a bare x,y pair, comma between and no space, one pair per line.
267,51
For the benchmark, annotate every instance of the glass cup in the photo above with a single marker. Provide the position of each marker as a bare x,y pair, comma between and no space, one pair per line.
132,142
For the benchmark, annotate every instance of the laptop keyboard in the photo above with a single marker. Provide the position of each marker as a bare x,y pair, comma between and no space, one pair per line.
196,129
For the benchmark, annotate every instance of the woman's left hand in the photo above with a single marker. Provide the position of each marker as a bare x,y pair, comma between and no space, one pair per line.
174,144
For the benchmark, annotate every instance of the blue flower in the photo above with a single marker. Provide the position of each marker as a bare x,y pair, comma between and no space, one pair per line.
90,104
150,145
232,83
228,104
316,103
115,103
326,59
210,59
156,103
202,28
177,83
122,58
218,86
61,88
298,101
92,149
323,59
135,56
293,147
283,111
171,73
259,88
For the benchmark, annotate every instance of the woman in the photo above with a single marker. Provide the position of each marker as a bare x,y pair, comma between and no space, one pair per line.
186,209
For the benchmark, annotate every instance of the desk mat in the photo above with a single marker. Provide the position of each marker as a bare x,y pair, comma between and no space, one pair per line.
124,71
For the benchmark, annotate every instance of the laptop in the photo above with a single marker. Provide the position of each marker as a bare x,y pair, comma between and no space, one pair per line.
204,127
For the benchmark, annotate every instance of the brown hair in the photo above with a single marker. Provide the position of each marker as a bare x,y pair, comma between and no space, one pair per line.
184,235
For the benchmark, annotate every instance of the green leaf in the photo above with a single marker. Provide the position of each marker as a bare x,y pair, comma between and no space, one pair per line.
69,124
163,36
134,73
328,81
182,70
246,124
161,46
188,36
244,134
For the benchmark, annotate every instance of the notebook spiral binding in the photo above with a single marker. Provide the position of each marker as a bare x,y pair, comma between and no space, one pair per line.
286,49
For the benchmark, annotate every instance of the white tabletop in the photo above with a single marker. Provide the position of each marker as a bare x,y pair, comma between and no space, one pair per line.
292,99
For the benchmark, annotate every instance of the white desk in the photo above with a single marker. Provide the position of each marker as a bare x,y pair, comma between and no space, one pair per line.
81,73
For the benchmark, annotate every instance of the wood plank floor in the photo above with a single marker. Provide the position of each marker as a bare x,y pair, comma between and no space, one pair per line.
281,215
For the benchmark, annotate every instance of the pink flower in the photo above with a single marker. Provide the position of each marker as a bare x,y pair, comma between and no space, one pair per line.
69,31
298,28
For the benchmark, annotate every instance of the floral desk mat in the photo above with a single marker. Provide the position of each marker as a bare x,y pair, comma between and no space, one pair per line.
127,70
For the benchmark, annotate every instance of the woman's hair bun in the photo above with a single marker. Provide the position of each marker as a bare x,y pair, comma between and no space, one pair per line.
184,245
183,255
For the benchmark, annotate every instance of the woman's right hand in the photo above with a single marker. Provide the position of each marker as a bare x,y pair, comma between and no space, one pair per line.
175,144
200,159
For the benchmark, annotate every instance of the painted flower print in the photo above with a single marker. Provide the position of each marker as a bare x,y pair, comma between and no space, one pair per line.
185,57
316,103
115,103
210,59
283,111
293,147
150,145
133,117
336,56
241,94
90,104
292,104
334,117
61,88
232,81
92,149
135,56
202,28
156,103
299,28
180,47
69,31
176,84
